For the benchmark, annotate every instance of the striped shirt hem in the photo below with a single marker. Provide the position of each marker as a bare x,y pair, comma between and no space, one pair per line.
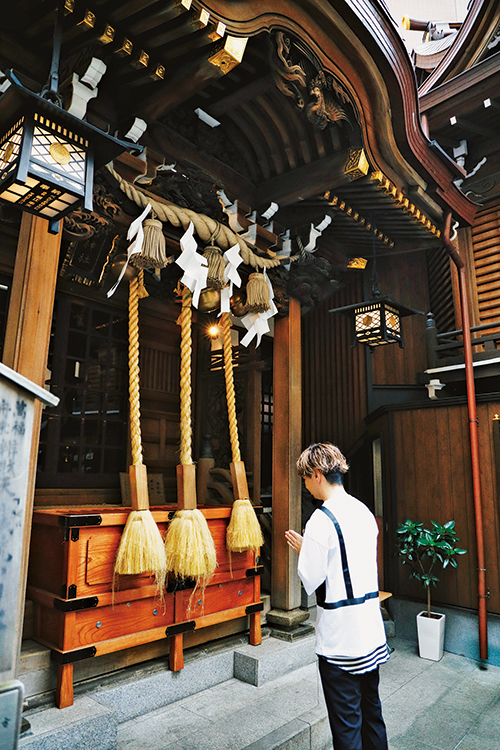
361,664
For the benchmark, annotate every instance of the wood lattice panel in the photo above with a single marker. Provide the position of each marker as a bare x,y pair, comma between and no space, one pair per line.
441,289
486,245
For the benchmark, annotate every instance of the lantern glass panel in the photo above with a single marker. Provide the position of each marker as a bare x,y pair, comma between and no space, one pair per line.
60,155
392,321
10,146
367,319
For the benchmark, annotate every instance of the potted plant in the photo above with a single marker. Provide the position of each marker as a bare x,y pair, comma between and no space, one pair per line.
423,550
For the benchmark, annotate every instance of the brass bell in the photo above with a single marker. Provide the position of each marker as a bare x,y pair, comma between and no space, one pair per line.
209,300
238,304
117,266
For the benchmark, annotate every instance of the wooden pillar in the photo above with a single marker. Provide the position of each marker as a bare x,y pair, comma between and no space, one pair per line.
253,436
27,336
287,445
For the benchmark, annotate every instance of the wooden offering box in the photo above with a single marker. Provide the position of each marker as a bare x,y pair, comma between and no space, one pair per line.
80,614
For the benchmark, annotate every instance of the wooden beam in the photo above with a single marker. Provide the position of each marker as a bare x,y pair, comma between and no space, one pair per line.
27,338
152,20
306,181
287,444
173,145
242,95
180,87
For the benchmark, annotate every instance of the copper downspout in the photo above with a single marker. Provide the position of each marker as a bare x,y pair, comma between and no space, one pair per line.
474,444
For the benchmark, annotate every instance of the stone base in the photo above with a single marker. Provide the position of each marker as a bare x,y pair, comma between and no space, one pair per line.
286,619
292,635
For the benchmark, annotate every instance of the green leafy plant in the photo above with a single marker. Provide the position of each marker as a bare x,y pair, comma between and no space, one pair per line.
421,549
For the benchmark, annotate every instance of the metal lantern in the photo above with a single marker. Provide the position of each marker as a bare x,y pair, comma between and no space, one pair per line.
47,156
377,321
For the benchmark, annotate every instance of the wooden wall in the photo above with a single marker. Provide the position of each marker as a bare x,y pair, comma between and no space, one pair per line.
159,368
433,482
333,373
405,278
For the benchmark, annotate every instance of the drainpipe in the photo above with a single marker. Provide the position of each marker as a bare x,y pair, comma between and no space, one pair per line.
474,444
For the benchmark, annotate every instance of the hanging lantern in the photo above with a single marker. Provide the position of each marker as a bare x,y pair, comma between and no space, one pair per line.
377,321
47,156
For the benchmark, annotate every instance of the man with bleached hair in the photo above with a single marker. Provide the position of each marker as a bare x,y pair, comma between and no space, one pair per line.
338,560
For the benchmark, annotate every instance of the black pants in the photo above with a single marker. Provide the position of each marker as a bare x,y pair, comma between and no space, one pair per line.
354,708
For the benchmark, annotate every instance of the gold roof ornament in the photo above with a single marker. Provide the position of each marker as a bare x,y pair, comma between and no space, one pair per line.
357,165
230,54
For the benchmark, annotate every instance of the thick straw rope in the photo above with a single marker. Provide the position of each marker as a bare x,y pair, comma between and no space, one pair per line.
133,363
207,229
185,426
230,395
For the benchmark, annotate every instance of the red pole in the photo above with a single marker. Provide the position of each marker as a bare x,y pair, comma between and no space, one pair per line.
474,442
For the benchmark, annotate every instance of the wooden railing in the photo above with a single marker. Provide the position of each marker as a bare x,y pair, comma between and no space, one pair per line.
447,348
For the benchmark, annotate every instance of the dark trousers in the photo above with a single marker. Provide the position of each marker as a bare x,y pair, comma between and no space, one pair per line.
354,708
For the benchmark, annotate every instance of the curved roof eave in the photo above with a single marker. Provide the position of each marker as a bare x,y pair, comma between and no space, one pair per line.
483,16
358,42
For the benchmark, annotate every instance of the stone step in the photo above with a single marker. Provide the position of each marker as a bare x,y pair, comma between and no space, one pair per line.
272,659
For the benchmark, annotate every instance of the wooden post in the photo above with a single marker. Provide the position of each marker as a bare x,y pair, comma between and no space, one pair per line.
176,656
64,690
27,338
287,445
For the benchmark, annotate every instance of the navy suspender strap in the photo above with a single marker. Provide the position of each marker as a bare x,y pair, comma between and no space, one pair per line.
321,590
343,554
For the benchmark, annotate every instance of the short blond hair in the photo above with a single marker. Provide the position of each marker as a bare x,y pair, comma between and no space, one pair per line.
323,457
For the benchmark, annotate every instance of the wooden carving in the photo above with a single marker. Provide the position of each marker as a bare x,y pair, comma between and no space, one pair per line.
319,97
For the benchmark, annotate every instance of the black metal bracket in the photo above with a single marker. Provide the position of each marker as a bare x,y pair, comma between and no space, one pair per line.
76,604
182,627
68,522
72,591
72,656
254,608
72,533
254,571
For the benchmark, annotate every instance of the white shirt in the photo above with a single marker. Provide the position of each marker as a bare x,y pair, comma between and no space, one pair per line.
352,634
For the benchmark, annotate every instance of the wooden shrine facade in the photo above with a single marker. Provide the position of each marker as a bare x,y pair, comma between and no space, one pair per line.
295,125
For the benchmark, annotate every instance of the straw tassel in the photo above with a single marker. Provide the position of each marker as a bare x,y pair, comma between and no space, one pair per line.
189,546
141,548
216,267
257,294
153,252
243,532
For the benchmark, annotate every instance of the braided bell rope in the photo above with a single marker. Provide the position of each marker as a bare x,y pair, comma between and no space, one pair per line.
133,368
230,395
185,416
206,228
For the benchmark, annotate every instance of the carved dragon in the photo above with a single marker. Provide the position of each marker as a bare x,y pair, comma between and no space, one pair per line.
312,95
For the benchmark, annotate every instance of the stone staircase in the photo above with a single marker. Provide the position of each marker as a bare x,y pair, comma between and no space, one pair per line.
226,696
229,696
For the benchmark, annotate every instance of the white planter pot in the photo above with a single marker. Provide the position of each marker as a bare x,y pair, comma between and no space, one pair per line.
431,635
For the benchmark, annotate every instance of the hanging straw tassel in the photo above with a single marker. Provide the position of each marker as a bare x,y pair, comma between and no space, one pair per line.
189,546
141,548
216,267
153,252
257,294
243,532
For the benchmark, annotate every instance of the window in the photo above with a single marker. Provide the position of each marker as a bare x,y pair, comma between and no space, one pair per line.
83,441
